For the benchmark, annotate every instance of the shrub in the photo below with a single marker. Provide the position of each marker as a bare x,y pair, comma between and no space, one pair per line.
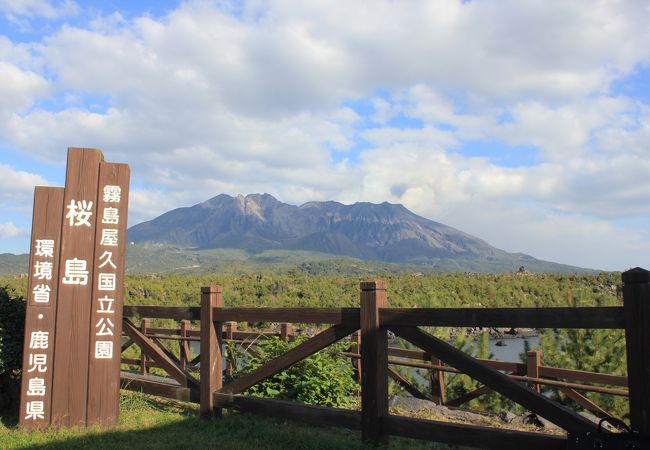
324,378
12,329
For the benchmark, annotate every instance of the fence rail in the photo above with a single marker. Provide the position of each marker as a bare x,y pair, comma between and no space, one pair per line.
370,354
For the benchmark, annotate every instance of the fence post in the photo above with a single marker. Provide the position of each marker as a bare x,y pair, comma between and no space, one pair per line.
183,344
211,360
144,327
231,327
533,361
286,331
374,362
437,383
356,348
636,305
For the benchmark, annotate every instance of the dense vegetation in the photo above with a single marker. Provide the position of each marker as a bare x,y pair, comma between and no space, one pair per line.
596,350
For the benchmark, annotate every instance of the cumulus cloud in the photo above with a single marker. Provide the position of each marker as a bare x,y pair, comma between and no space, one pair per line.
203,100
17,187
14,9
9,230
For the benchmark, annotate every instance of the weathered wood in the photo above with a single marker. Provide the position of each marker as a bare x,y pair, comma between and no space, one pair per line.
72,341
163,312
301,351
592,317
533,361
40,314
315,415
211,359
356,349
581,387
151,350
348,316
426,356
584,402
476,393
139,383
636,302
374,362
437,383
470,435
144,325
580,375
558,414
230,328
108,295
286,331
399,379
184,346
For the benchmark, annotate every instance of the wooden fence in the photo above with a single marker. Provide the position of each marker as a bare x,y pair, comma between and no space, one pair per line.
373,320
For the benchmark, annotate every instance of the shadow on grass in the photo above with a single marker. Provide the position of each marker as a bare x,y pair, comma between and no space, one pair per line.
9,420
234,431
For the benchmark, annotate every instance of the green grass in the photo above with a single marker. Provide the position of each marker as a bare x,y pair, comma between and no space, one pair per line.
149,422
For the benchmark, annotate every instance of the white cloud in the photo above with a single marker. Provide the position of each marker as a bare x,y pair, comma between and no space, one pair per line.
9,230
17,187
201,102
38,8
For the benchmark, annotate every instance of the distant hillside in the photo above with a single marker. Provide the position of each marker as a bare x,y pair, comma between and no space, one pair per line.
383,232
13,264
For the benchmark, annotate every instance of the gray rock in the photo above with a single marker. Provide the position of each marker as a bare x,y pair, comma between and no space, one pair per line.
507,416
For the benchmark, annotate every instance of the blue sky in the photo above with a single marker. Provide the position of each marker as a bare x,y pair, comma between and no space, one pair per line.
494,117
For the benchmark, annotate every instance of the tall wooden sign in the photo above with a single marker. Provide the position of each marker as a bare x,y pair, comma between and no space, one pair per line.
86,286
106,315
40,315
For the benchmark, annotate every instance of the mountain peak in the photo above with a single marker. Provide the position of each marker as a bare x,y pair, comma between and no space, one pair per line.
257,222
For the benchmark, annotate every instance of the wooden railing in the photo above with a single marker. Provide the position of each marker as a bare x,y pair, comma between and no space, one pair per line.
374,319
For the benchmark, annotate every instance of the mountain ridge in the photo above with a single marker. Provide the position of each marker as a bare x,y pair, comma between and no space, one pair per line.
383,232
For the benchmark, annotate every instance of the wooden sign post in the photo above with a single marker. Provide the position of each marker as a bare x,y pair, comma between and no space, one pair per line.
73,343
40,315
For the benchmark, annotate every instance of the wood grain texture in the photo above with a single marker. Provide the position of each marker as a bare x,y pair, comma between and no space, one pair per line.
374,362
40,316
139,383
636,301
69,396
163,312
211,358
348,316
594,317
104,373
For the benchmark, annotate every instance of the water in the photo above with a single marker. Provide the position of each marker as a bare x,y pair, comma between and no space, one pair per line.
510,352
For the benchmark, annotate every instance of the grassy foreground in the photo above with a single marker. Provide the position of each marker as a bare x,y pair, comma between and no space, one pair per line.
148,422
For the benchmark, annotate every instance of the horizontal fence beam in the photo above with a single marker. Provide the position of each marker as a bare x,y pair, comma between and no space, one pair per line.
581,375
142,383
610,317
316,415
334,316
471,435
163,312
